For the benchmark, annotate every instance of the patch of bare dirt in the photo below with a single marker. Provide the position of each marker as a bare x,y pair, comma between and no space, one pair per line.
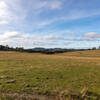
23,96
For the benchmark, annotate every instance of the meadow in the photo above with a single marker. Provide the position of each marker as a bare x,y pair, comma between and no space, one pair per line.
43,74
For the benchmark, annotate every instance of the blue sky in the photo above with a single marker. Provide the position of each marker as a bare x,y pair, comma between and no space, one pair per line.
50,23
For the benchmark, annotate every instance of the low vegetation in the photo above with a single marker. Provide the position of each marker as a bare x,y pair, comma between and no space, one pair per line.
60,75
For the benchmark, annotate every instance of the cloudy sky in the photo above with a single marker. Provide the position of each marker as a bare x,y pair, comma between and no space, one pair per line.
50,23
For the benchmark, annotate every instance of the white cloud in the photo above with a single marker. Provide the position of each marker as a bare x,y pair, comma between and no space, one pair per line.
54,4
72,33
31,40
28,40
43,5
3,9
11,12
29,14
3,22
16,39
37,43
4,13
92,35
13,36
10,34
49,37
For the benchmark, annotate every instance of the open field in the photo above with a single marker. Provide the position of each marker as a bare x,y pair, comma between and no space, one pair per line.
49,74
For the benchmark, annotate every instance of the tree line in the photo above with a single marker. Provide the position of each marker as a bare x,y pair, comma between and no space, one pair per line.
41,50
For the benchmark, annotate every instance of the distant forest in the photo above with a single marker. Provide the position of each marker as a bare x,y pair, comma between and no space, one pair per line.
41,50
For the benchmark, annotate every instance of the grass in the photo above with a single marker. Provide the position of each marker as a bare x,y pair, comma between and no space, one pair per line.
49,74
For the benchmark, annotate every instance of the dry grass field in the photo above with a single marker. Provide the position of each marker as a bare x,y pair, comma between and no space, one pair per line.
49,74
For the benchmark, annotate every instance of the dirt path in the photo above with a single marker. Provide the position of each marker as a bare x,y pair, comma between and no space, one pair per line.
23,96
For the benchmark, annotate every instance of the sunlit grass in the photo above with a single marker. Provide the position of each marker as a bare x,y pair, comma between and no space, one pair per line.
48,74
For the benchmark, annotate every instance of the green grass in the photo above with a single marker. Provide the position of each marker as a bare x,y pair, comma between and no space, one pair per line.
48,74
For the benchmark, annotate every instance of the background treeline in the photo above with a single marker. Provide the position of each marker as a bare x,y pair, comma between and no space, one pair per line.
41,50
